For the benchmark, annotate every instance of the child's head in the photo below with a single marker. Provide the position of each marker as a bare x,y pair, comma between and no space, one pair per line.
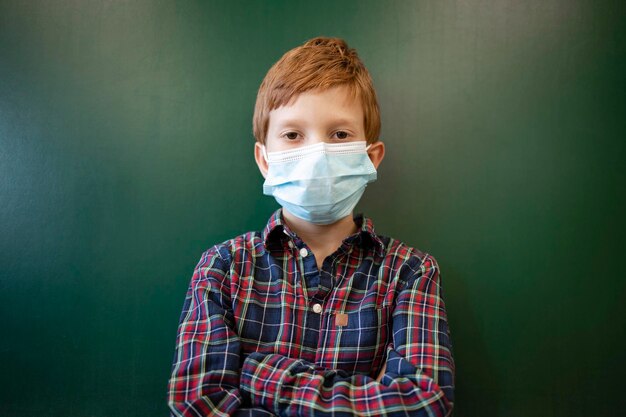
317,65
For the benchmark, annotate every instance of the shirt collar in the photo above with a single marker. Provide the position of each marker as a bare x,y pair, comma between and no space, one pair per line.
275,226
276,230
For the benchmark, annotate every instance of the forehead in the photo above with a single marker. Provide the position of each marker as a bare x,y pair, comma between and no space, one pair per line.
331,105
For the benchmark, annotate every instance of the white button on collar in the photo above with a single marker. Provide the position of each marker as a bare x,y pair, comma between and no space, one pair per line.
304,252
317,308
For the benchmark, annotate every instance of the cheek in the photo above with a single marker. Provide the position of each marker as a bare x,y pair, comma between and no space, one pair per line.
271,144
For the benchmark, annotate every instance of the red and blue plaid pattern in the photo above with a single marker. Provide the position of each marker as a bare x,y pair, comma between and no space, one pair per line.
263,332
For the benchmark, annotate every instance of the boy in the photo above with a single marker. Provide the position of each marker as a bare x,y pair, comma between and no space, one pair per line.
316,314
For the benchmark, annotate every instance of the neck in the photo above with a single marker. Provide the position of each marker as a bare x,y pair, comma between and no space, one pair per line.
321,235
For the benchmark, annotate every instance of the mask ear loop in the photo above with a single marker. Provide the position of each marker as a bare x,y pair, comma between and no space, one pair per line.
265,154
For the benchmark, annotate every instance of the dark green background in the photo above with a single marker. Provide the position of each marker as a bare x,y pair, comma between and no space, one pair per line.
126,150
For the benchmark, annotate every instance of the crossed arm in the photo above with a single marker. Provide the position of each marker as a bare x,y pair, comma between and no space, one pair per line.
208,377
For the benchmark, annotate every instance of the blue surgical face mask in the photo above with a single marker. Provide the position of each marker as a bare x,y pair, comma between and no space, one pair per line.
320,183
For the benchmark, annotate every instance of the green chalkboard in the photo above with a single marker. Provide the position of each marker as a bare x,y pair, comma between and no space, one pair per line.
126,150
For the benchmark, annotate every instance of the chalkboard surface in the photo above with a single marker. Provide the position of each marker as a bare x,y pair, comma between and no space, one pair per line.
126,151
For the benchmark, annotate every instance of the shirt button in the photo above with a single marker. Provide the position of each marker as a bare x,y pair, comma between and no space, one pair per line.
317,308
290,244
304,253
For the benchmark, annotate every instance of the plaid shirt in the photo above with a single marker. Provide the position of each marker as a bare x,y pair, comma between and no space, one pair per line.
264,332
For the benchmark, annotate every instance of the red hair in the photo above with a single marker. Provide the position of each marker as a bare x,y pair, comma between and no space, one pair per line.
318,64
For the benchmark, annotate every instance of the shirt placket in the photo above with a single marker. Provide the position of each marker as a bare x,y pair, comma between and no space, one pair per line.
313,306
318,285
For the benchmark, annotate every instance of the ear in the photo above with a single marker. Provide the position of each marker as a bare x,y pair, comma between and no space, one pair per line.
260,160
376,153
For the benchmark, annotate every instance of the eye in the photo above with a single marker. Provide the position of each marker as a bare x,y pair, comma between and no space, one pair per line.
291,135
342,134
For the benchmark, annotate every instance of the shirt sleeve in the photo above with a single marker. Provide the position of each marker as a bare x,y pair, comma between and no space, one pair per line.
205,372
419,377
